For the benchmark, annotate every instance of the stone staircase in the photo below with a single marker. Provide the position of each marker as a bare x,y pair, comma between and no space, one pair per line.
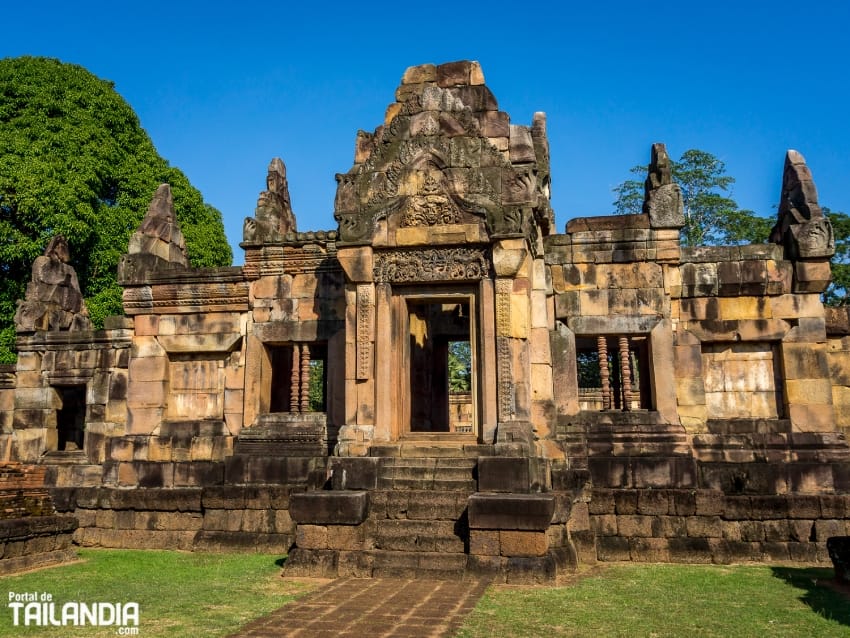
418,512
424,473
415,521
419,532
404,515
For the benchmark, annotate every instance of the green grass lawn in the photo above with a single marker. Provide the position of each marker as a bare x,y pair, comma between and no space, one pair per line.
669,600
184,594
179,594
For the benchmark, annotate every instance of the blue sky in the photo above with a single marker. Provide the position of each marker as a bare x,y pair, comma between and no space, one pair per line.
223,87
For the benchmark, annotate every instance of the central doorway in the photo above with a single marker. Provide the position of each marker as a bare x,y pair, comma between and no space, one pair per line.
441,364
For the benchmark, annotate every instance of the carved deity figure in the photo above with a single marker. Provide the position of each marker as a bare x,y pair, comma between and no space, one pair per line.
53,299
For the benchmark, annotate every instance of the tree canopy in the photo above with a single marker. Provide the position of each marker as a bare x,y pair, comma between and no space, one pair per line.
75,161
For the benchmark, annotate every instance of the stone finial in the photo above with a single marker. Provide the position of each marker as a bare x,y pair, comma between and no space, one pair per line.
660,168
801,225
273,218
53,299
662,197
157,244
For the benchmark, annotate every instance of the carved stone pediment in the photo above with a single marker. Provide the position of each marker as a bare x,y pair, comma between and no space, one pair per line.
446,156
431,206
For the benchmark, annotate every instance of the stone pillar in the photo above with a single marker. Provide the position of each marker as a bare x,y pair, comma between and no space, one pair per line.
295,376
625,374
305,378
513,266
604,374
504,367
358,429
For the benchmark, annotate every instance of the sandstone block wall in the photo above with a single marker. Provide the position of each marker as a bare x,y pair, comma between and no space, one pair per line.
750,340
223,518
706,526
31,534
48,362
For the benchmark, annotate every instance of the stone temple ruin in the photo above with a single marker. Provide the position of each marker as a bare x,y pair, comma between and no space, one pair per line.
443,384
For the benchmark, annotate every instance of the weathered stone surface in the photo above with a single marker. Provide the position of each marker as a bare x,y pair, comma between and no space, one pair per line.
227,389
801,225
273,218
337,508
486,175
53,299
663,198
511,511
157,245
504,474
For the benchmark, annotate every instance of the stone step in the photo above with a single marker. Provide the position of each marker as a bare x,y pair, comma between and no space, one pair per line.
449,462
451,448
448,505
426,473
441,474
421,536
432,565
628,444
436,484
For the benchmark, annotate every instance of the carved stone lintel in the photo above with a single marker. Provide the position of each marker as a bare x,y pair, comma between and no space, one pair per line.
438,264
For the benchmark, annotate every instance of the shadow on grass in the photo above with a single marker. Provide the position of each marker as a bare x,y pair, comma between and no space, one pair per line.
823,600
280,562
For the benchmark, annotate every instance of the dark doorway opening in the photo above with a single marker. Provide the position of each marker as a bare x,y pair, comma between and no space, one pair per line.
441,365
71,417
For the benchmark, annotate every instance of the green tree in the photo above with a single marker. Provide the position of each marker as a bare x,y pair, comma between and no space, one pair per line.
711,216
838,291
75,161
460,366
316,387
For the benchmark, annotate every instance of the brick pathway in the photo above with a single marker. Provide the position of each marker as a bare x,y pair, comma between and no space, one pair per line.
373,608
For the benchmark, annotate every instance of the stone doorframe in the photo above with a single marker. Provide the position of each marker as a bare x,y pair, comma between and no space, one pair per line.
393,354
